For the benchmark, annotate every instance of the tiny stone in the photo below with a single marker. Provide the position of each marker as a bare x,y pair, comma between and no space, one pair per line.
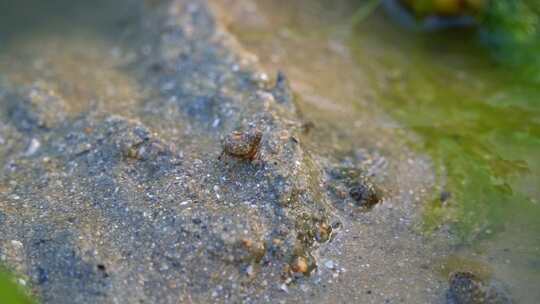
329,264
32,147
16,244
250,271
300,265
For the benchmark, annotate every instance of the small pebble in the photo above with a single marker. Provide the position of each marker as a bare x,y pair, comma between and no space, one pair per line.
250,271
329,264
299,265
32,147
16,244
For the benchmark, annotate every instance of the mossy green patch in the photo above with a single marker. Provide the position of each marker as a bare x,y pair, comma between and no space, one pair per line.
10,292
479,121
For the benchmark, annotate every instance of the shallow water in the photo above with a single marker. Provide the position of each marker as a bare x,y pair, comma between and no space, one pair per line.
479,121
481,124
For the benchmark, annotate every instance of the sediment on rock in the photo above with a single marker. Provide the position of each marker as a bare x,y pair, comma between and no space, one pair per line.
115,208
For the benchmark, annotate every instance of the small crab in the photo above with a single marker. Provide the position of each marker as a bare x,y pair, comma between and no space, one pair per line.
465,287
242,144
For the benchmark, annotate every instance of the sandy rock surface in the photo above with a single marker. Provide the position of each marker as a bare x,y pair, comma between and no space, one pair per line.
115,186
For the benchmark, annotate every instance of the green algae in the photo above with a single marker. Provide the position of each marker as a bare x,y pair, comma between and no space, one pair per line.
511,31
10,292
479,121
